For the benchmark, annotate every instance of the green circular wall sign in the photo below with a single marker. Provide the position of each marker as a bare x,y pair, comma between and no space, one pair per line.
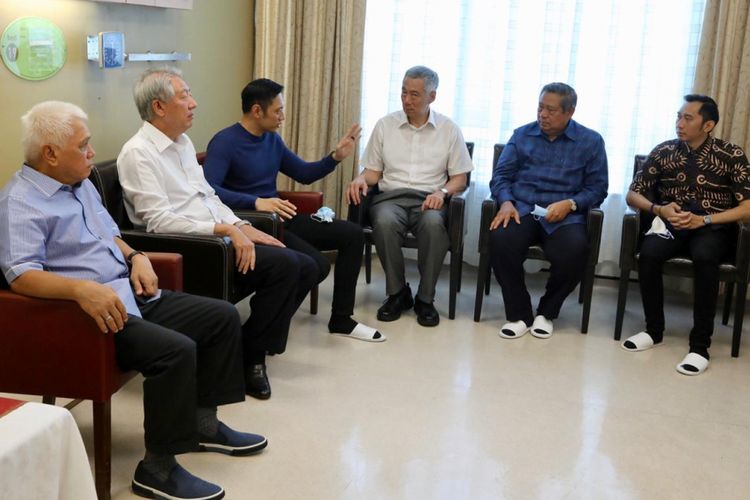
33,48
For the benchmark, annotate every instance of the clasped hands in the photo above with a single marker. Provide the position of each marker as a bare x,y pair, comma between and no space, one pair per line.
679,218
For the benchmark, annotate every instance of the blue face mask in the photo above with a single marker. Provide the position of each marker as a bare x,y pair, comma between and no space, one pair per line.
324,214
539,211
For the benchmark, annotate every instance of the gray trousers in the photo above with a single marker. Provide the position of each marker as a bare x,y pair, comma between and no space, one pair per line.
393,215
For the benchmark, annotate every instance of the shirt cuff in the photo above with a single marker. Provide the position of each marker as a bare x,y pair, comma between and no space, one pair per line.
14,272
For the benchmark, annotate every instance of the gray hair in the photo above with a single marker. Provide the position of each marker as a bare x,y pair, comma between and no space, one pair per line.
430,78
568,96
48,123
154,83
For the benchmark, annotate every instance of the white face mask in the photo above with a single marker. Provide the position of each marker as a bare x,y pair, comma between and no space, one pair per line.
660,229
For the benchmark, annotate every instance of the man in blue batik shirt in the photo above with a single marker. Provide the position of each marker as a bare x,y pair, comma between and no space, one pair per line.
547,177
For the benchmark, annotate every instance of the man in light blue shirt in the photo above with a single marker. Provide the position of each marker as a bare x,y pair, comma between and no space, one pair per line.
57,241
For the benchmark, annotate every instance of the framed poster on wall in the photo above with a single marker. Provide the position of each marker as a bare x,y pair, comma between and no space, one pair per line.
33,48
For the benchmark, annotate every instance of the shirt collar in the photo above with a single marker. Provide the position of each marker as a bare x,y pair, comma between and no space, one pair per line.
404,121
43,183
706,144
159,138
571,131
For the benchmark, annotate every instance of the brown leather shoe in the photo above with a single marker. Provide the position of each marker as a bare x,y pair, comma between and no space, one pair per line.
256,382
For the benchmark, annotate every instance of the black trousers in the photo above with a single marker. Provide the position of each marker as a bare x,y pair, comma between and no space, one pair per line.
279,283
566,249
305,235
705,246
188,349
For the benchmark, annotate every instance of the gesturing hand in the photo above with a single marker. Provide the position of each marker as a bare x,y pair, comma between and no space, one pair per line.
348,141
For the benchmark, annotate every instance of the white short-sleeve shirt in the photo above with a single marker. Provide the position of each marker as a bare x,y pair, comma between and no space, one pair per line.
164,187
417,158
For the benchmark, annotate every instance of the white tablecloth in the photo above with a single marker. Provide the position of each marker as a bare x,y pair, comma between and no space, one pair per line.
42,456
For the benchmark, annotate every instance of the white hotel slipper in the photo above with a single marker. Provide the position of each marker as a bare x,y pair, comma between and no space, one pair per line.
638,342
364,332
542,327
513,330
692,364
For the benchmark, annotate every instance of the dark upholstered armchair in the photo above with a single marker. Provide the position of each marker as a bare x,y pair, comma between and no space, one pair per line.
456,229
593,229
209,259
307,202
52,348
734,271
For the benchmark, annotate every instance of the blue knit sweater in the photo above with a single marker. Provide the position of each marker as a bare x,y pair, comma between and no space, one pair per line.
242,167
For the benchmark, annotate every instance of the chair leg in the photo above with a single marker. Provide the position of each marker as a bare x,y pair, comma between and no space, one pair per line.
728,291
487,280
622,297
739,315
455,279
48,400
314,300
368,263
482,275
587,289
102,448
460,269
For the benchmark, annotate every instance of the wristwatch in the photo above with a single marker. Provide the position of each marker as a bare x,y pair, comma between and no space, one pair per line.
444,191
707,221
573,205
132,255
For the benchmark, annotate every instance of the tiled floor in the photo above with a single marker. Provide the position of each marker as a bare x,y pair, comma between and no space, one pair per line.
456,412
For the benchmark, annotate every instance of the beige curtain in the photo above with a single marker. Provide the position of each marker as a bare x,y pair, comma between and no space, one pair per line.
723,68
314,48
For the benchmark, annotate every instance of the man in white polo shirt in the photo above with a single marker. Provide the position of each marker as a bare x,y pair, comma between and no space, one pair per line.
418,158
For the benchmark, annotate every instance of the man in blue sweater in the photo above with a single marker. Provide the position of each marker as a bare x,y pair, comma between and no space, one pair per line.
242,162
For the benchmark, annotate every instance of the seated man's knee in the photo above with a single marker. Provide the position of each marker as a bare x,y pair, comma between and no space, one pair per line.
227,313
179,350
384,220
322,268
309,271
432,224
351,235
504,240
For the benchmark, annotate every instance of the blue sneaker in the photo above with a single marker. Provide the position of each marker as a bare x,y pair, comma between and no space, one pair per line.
180,485
232,442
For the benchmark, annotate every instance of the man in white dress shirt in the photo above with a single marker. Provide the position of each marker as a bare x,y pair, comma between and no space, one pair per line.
418,158
165,192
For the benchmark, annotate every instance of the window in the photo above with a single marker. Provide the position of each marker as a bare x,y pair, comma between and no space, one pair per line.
630,62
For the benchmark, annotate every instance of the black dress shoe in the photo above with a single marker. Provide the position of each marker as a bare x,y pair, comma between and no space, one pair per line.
256,382
394,304
427,315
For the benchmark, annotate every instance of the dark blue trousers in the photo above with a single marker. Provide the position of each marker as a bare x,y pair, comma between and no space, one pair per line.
566,248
